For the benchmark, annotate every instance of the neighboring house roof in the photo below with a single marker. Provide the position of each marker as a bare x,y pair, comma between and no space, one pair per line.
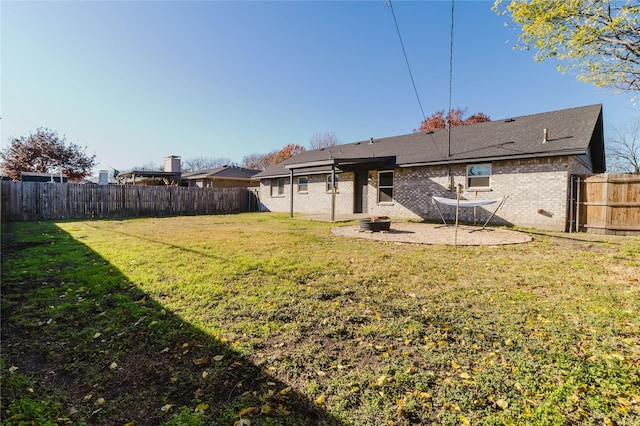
574,131
226,172
148,173
41,177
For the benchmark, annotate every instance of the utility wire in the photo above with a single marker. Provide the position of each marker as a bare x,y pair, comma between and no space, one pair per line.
450,75
387,3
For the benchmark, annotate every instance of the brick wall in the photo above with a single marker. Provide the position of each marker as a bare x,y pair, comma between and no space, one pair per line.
537,191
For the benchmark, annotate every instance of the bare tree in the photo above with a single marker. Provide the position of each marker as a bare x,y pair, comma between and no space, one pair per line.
258,161
323,140
623,152
203,163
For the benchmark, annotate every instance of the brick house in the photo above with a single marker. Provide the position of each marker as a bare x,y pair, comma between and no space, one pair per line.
221,177
529,159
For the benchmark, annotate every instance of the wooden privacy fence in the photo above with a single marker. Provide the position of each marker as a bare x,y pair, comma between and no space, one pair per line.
606,204
22,201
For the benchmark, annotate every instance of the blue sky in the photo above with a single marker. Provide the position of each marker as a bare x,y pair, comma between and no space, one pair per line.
137,81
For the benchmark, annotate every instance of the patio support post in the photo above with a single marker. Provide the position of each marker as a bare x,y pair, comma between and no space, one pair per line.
291,193
333,192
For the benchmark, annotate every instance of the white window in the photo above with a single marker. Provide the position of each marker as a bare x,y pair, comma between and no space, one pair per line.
385,187
303,183
479,176
277,187
329,186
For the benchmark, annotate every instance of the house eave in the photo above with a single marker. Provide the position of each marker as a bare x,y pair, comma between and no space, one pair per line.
559,153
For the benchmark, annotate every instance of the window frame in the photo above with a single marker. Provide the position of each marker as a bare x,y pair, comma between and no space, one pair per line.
470,178
329,188
277,183
306,184
381,187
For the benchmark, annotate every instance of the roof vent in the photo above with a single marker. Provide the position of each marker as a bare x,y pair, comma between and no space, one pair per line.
510,120
545,134
371,141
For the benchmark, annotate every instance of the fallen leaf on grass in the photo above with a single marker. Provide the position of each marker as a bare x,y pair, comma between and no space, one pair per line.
502,404
200,361
166,408
320,400
383,380
113,366
201,408
218,357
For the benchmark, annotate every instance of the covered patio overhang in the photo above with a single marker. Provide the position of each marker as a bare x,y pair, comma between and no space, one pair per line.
334,165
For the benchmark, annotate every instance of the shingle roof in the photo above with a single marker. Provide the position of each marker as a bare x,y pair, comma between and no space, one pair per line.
574,131
229,172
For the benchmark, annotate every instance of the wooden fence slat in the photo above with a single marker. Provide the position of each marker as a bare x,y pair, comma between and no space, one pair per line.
610,204
23,201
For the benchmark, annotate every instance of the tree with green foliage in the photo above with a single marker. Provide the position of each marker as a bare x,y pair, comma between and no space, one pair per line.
600,39
45,152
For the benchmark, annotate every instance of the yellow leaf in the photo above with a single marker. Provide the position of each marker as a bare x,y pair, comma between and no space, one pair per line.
173,379
243,422
200,361
321,399
502,404
205,374
218,357
87,397
285,391
424,396
464,375
113,365
383,380
100,401
464,420
166,408
201,408
95,336
266,408
13,369
411,370
164,350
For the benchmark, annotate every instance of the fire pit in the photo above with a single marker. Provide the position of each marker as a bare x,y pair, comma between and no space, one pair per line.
375,224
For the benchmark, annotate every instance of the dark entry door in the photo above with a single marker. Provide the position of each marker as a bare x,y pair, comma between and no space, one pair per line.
360,191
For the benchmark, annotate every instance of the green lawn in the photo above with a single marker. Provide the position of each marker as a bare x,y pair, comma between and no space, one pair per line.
263,320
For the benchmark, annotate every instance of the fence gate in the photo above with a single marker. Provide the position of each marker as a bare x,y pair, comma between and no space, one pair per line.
605,204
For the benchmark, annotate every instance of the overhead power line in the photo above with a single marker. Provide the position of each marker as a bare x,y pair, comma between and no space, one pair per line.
388,4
